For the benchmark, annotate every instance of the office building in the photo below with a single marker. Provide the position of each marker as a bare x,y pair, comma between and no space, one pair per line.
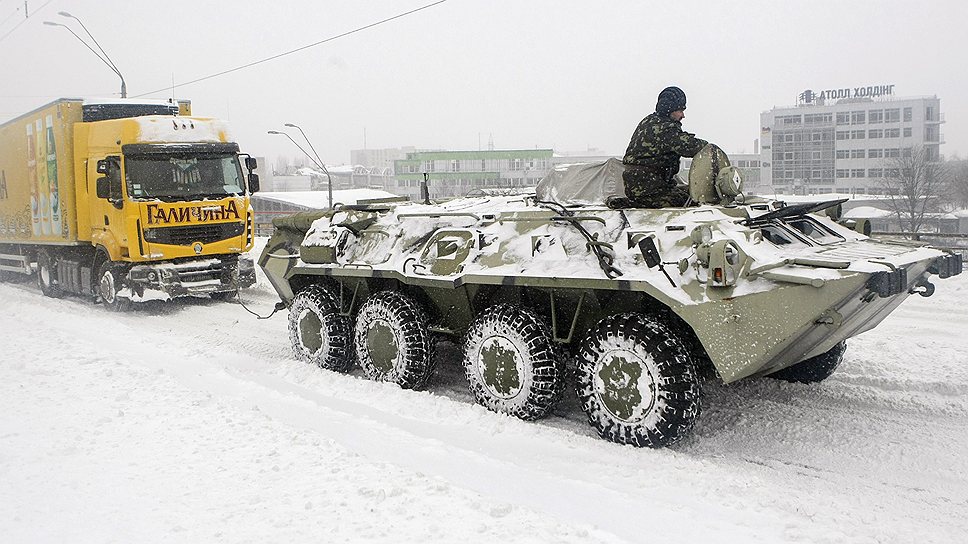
844,141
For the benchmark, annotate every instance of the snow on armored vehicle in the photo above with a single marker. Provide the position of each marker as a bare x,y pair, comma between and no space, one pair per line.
642,299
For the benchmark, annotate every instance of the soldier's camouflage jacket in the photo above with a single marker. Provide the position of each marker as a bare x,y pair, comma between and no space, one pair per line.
657,144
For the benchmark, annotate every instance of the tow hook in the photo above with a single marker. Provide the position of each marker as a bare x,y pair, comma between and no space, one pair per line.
923,287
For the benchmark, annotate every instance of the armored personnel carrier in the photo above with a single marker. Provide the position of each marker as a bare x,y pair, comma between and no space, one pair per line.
642,301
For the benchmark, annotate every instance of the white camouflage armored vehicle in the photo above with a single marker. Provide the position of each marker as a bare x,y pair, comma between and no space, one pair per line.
640,300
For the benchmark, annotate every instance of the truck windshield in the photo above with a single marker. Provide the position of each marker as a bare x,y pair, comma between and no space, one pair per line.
183,177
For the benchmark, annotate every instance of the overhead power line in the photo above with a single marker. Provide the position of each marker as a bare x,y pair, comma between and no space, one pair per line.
24,20
298,49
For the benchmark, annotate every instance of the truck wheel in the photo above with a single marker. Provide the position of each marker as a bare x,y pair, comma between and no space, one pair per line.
393,343
47,276
815,369
637,382
319,334
110,284
512,364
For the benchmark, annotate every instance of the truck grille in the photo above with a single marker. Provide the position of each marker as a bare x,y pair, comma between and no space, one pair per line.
189,234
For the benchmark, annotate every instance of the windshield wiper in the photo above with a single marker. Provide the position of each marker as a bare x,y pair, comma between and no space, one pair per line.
793,210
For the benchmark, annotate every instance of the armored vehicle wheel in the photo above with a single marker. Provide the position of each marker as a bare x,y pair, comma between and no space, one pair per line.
637,382
815,369
512,364
47,276
319,334
393,343
108,288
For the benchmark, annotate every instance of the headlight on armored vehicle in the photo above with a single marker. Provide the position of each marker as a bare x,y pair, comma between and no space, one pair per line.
701,235
729,183
724,260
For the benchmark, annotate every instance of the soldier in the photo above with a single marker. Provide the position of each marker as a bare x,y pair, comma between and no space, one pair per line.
652,159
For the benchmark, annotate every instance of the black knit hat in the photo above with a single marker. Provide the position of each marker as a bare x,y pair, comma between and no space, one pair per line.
670,99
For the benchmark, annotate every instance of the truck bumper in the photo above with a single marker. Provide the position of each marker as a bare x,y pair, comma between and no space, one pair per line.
193,276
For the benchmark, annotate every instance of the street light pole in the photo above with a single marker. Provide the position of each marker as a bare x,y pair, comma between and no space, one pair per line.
329,179
314,160
102,55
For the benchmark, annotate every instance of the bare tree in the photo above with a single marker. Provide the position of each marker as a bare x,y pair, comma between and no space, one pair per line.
282,166
914,183
956,172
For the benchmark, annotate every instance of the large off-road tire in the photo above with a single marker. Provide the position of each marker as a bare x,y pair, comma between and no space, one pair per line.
815,369
319,334
513,365
47,276
110,283
637,381
393,343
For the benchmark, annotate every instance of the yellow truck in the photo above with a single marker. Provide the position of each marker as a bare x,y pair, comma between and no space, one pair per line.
124,201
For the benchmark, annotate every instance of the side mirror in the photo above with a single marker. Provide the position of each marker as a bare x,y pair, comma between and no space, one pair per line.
103,185
251,164
649,252
253,182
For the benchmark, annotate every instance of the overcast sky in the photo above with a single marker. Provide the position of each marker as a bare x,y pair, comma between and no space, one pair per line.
564,74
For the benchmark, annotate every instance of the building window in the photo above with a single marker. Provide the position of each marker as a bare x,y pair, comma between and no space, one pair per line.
857,173
908,112
816,136
428,166
817,118
815,155
875,116
483,165
907,132
787,138
875,172
892,153
892,116
455,166
875,133
875,153
788,156
929,113
892,133
858,134
843,173
789,119
858,117
906,152
843,118
857,153
843,154
816,174
843,134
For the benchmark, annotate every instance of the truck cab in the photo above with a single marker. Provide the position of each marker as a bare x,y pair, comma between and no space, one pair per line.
129,200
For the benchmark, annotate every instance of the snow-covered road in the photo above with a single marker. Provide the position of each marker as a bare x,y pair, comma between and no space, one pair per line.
191,422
